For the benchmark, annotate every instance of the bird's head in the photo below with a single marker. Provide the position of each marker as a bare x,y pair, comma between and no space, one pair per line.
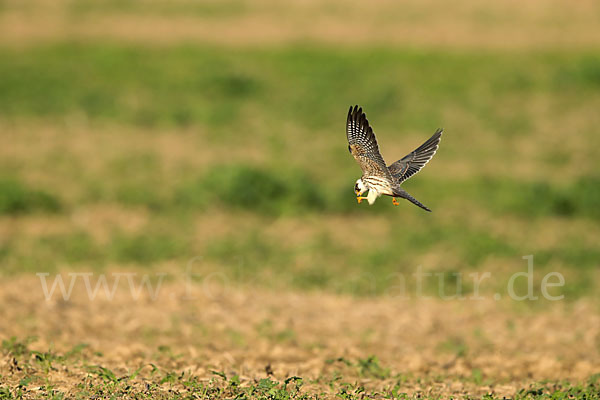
359,187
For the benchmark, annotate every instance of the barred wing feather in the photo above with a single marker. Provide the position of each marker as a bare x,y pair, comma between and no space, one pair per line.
412,163
362,144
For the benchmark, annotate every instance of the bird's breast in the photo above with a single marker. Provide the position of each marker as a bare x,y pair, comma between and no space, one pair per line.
378,184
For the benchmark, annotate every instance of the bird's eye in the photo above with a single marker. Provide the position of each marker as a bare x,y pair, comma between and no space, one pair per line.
349,149
356,187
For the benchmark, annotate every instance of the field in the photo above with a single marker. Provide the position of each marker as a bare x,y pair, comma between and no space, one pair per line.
180,167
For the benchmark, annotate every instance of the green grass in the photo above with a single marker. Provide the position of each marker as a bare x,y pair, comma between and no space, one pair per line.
251,188
286,106
252,256
276,192
17,198
124,7
183,85
544,198
79,249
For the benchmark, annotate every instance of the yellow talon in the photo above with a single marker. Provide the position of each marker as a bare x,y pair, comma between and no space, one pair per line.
359,199
395,202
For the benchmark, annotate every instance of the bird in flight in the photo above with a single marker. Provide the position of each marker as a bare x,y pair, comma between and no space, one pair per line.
378,178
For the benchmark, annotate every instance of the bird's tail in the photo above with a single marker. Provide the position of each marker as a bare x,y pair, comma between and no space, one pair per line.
405,195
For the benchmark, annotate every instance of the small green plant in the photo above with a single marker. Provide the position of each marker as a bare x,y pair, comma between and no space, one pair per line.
17,347
371,367
104,373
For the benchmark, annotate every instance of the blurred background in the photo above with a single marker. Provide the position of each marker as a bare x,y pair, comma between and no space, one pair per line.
138,134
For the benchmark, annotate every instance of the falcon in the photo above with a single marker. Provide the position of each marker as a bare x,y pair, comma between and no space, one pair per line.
378,178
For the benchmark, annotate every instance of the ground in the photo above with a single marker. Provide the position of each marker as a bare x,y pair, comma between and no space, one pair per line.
201,146
211,332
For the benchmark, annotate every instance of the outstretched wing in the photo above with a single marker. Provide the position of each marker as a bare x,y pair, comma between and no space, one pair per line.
412,163
362,144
